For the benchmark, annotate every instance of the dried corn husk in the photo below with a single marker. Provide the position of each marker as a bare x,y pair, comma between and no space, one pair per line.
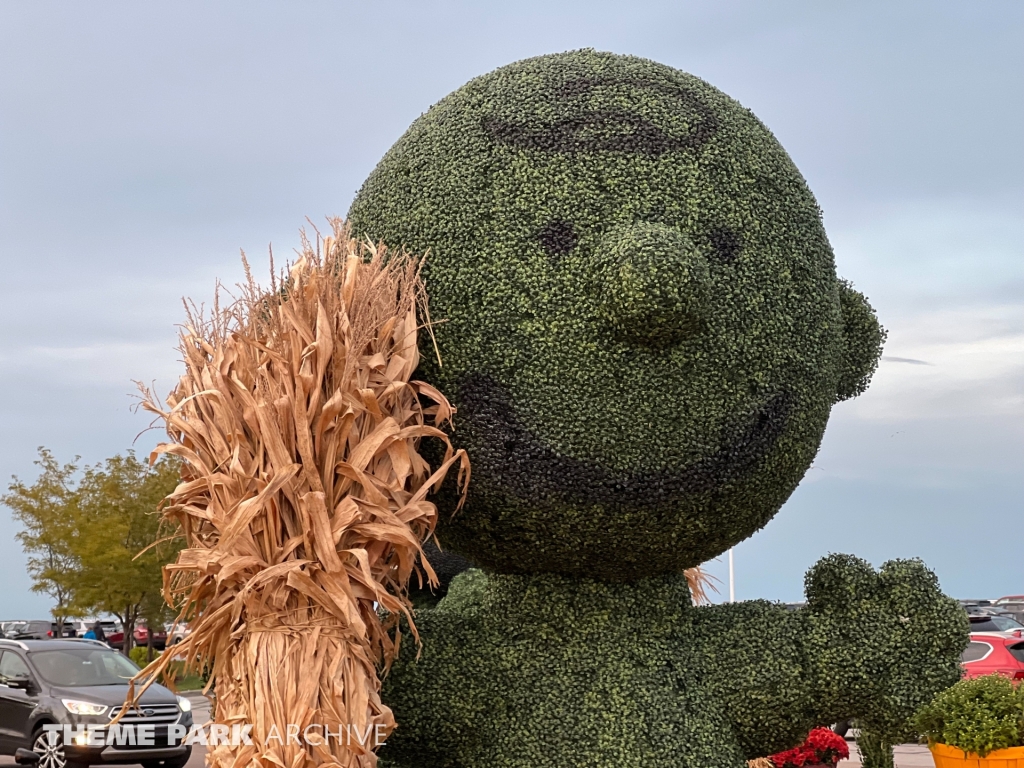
700,581
303,498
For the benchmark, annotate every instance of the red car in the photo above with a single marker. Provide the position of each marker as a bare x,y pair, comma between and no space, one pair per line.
141,635
995,653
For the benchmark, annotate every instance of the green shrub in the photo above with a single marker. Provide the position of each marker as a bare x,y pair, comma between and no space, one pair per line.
875,751
978,715
140,655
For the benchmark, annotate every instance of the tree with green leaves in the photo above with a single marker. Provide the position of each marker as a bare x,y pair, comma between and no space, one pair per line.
48,512
94,539
120,542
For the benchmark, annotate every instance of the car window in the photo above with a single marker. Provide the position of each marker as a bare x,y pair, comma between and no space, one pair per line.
1017,651
1006,624
85,666
993,624
976,651
983,624
12,665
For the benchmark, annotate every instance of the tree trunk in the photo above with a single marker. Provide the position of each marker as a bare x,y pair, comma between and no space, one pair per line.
149,642
129,632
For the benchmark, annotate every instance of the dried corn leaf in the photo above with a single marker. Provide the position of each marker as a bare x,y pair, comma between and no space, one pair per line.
700,581
302,498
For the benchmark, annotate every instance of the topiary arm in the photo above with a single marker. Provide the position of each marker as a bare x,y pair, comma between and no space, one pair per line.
757,673
880,644
870,645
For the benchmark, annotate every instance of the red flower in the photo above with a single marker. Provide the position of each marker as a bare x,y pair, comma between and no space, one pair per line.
791,758
821,747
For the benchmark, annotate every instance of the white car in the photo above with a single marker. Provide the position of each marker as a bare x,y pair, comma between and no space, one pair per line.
84,625
176,633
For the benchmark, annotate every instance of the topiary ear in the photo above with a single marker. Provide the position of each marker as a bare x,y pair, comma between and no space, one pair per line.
863,337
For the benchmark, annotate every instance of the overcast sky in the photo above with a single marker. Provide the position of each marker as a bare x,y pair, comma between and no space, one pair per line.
143,144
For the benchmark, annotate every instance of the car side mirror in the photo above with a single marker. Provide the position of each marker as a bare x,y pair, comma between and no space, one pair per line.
22,682
26,757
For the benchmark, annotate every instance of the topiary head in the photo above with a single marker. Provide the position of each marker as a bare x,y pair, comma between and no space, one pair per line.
642,326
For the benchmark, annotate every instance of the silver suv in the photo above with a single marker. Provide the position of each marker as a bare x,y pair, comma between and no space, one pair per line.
83,682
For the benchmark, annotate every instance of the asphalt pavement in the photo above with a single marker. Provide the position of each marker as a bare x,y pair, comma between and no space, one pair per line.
906,756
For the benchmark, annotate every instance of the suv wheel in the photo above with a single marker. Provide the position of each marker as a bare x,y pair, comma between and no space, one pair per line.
51,753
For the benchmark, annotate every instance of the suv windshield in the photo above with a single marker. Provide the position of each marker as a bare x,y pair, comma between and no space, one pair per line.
85,666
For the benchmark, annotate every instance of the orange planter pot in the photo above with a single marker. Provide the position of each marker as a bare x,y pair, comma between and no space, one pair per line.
951,757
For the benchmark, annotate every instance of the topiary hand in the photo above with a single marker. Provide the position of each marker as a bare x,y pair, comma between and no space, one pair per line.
881,644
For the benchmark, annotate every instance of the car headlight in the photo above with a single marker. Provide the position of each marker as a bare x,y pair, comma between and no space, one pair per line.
184,704
76,707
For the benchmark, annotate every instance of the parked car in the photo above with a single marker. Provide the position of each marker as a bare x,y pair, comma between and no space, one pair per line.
980,607
980,610
109,627
32,630
178,632
140,635
68,630
996,623
1015,610
994,653
159,636
82,626
7,628
81,682
1010,599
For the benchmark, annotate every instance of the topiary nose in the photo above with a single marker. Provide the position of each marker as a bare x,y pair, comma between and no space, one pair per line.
651,284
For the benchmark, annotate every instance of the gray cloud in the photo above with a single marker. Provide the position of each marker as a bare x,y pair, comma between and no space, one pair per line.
142,145
912,361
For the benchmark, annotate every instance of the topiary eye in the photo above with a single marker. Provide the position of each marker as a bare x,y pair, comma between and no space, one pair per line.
558,237
726,244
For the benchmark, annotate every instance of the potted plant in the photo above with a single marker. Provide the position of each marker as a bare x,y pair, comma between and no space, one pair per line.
823,746
978,723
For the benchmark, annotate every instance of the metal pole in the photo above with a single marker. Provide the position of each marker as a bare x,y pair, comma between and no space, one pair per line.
732,579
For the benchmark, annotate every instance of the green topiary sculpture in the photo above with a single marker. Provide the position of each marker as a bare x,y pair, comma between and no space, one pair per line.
644,333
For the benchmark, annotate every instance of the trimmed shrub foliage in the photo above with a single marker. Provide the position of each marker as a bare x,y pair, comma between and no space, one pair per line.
542,670
643,331
977,715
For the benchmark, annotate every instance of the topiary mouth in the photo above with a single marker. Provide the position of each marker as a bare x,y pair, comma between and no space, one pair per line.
507,454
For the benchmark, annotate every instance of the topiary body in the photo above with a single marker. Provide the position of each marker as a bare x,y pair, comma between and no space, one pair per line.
644,333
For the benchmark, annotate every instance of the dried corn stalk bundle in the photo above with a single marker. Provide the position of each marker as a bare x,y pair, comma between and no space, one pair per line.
303,499
700,581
